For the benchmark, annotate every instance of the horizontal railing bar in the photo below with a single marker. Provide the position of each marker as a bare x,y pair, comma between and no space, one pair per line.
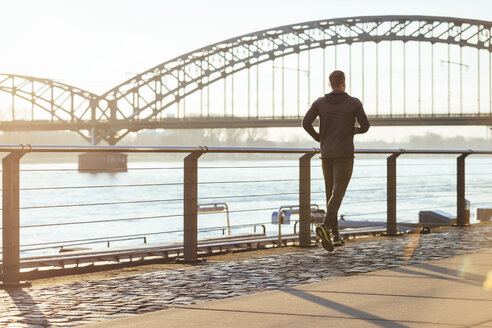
77,244
368,189
427,175
249,196
247,181
102,204
352,190
425,186
404,198
204,149
93,239
411,209
151,149
365,201
249,167
357,177
104,186
425,164
102,221
101,169
440,196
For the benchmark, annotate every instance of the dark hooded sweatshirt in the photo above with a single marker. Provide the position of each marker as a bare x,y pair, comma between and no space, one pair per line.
337,113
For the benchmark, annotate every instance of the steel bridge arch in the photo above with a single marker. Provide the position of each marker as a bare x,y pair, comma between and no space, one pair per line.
143,97
60,103
149,93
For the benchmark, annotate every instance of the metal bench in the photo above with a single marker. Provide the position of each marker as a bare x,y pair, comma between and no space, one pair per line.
216,208
285,211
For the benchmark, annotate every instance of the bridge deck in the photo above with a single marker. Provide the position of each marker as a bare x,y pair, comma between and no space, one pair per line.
238,122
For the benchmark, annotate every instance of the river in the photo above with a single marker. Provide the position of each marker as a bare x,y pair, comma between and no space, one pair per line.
151,193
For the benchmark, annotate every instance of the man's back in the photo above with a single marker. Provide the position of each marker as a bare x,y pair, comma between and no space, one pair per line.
337,112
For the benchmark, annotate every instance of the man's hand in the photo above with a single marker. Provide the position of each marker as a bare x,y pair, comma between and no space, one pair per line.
307,122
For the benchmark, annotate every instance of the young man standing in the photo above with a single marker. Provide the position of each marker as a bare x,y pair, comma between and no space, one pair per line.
337,113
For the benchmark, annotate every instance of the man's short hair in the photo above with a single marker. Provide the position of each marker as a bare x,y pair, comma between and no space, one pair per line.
337,78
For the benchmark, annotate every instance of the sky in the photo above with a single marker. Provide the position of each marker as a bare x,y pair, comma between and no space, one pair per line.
97,44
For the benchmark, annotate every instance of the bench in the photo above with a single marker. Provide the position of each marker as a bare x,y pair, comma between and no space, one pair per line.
216,208
285,211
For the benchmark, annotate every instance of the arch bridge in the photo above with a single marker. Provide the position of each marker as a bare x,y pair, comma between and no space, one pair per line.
407,70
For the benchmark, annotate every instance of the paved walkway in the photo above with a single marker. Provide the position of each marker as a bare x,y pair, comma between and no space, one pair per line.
454,292
81,302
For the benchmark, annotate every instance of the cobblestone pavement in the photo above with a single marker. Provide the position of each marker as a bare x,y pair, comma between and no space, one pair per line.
83,302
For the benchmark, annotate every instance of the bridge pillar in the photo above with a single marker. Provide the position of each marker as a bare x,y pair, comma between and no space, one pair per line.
103,162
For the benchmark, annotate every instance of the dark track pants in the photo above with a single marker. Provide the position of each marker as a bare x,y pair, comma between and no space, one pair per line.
337,173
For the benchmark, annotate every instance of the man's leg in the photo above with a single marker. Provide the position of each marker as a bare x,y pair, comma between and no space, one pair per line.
323,230
342,172
327,165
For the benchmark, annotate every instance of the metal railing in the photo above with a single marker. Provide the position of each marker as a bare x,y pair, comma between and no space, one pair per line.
11,191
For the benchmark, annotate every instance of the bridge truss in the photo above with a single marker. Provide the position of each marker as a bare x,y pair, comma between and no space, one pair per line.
157,97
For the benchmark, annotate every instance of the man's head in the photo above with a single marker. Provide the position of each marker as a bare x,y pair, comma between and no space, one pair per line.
337,80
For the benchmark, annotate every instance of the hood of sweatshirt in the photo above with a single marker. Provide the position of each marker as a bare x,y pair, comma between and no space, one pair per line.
336,97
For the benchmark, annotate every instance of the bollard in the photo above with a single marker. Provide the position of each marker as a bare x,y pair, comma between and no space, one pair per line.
305,199
190,206
460,191
11,221
391,194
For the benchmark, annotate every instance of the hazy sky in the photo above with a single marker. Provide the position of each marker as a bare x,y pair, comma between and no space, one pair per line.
96,44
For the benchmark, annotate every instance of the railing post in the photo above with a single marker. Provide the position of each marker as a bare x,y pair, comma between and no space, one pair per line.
391,194
460,191
305,199
190,206
10,220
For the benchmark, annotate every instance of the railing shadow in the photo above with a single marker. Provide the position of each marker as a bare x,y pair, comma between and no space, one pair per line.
353,312
437,271
28,308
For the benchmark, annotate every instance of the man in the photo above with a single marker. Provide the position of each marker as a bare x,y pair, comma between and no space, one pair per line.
337,113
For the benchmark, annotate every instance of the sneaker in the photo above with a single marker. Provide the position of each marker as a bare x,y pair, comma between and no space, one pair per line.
324,234
338,241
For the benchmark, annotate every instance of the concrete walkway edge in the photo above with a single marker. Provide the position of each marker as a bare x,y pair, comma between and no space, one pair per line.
451,292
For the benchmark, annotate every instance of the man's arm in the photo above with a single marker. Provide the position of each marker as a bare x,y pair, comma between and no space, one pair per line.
307,122
363,121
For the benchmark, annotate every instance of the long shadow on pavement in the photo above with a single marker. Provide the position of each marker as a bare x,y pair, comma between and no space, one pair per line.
354,313
28,308
452,272
441,270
